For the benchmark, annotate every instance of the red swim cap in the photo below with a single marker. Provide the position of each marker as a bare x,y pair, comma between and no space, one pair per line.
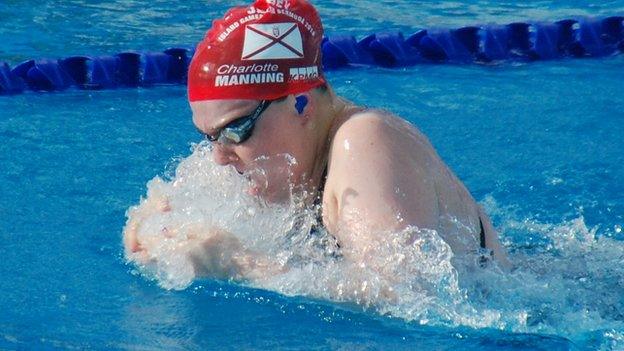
262,52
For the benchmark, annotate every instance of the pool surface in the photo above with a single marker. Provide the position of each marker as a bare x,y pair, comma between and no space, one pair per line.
539,146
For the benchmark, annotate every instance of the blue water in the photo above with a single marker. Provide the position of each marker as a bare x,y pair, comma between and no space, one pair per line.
539,145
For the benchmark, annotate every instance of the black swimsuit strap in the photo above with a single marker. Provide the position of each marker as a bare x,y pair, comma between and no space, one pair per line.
482,235
323,180
318,200
319,195
484,258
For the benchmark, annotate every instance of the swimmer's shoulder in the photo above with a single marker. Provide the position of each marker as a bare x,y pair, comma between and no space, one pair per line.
371,127
366,140
365,123
371,161
377,147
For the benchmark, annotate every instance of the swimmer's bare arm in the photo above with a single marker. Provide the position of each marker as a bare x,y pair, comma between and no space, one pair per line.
385,175
376,183
216,253
221,255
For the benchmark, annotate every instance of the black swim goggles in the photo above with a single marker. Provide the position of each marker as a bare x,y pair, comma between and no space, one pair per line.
239,129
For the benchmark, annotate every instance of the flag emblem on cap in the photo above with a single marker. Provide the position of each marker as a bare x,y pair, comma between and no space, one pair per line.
272,41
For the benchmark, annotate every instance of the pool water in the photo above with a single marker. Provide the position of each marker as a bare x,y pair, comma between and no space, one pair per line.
539,145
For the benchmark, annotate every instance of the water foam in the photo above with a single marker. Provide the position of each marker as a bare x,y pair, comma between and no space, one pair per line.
569,282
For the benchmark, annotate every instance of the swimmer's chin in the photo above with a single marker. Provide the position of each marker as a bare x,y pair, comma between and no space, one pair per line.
265,195
257,187
254,191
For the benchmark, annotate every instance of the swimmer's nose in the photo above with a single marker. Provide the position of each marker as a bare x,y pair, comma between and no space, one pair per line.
223,154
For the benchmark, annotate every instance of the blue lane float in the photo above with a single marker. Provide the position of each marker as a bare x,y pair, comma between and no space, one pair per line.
521,41
127,69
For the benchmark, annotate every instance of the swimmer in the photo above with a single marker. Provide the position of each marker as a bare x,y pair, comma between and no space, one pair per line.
257,90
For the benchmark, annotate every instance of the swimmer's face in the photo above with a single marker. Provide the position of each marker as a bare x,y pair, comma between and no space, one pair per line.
278,132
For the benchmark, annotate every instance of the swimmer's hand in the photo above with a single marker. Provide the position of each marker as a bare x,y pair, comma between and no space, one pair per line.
213,252
134,249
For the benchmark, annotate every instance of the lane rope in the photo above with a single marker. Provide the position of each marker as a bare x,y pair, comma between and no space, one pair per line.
489,44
